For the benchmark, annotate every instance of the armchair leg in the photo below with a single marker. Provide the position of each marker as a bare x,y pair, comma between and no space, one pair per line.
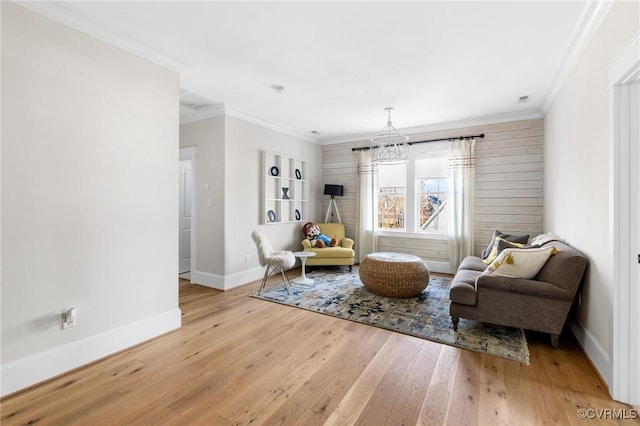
455,321
287,284
555,341
264,279
350,268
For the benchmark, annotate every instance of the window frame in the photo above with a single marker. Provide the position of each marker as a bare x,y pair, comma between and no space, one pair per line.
418,152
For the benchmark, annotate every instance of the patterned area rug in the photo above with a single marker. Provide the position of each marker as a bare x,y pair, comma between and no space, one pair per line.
341,294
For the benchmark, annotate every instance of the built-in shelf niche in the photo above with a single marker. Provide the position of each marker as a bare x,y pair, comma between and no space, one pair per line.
284,189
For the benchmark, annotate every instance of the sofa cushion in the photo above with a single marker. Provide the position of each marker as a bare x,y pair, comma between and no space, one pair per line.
332,252
520,263
522,239
472,263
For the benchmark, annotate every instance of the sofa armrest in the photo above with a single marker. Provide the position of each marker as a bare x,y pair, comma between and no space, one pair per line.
306,244
347,243
522,286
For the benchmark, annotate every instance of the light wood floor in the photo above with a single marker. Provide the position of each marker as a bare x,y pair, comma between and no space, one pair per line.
239,360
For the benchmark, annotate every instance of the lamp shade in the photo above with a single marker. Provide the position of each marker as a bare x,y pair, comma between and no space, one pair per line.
334,190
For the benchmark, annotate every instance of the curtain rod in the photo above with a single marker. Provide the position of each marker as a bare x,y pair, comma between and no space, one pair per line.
481,135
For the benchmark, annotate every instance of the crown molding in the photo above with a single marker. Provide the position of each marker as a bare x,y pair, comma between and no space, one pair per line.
236,113
58,12
223,109
451,125
203,114
594,14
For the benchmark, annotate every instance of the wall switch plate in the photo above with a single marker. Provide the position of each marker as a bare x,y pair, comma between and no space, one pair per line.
68,318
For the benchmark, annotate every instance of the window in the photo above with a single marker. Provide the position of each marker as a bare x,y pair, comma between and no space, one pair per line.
432,201
392,196
412,197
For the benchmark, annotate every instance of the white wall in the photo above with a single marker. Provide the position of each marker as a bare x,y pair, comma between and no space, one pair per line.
576,174
208,136
89,198
228,158
244,143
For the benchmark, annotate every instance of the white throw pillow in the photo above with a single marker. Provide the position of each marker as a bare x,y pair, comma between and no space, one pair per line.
520,263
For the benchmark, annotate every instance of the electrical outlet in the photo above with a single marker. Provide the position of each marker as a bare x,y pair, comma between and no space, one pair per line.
246,258
68,318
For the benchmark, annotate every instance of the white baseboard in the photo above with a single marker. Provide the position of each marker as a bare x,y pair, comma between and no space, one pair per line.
593,349
226,282
440,267
207,279
36,368
243,277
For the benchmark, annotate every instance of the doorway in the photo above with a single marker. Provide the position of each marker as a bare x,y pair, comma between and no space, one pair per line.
624,106
186,212
184,227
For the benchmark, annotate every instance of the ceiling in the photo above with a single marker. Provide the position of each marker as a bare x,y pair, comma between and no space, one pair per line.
341,63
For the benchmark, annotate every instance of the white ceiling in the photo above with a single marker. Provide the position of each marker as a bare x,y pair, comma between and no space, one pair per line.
342,63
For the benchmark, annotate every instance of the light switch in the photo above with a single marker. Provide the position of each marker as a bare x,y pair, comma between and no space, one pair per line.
206,186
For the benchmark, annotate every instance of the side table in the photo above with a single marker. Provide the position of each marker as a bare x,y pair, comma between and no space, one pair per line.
302,279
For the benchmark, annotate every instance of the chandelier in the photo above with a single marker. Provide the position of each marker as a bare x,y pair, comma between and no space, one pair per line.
389,146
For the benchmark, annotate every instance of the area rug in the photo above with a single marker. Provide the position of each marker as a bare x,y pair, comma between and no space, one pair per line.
341,294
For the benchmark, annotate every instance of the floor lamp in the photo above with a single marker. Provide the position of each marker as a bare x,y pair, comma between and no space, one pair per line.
333,190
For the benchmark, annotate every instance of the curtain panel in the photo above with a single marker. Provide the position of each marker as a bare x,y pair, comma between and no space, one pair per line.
367,205
461,182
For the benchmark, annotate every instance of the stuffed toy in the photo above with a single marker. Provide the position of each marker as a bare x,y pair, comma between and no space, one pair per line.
316,238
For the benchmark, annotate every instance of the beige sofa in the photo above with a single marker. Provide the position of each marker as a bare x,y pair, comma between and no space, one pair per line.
340,255
540,304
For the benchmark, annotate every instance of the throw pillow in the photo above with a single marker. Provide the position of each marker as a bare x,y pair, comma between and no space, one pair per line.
500,245
544,238
522,239
520,263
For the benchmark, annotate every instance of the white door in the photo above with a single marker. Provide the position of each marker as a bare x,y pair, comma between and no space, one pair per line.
185,217
635,223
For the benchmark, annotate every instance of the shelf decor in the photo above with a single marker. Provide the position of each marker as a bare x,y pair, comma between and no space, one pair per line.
283,189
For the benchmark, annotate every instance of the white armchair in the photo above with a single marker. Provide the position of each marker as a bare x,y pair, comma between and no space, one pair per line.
273,262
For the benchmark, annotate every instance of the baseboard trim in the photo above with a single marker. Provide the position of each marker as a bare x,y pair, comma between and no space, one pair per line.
207,279
22,373
440,267
243,277
593,350
226,282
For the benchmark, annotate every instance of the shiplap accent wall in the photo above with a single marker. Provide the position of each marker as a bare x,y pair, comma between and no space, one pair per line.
508,185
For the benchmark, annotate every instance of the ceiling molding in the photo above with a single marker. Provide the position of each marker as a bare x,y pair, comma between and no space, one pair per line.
590,21
222,109
451,125
267,124
57,11
209,112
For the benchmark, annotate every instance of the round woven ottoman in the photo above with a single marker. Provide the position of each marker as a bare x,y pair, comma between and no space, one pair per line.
394,274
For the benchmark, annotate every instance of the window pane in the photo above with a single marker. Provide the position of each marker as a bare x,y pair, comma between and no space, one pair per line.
432,214
391,207
429,167
392,176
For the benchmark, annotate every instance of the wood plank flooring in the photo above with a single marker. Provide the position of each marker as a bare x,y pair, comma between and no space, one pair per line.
239,360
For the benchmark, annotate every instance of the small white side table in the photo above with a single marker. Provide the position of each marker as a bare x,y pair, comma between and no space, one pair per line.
302,279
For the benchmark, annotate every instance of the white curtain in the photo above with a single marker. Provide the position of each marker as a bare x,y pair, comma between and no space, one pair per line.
461,182
367,205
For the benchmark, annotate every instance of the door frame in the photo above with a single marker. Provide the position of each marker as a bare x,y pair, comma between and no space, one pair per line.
189,154
624,327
